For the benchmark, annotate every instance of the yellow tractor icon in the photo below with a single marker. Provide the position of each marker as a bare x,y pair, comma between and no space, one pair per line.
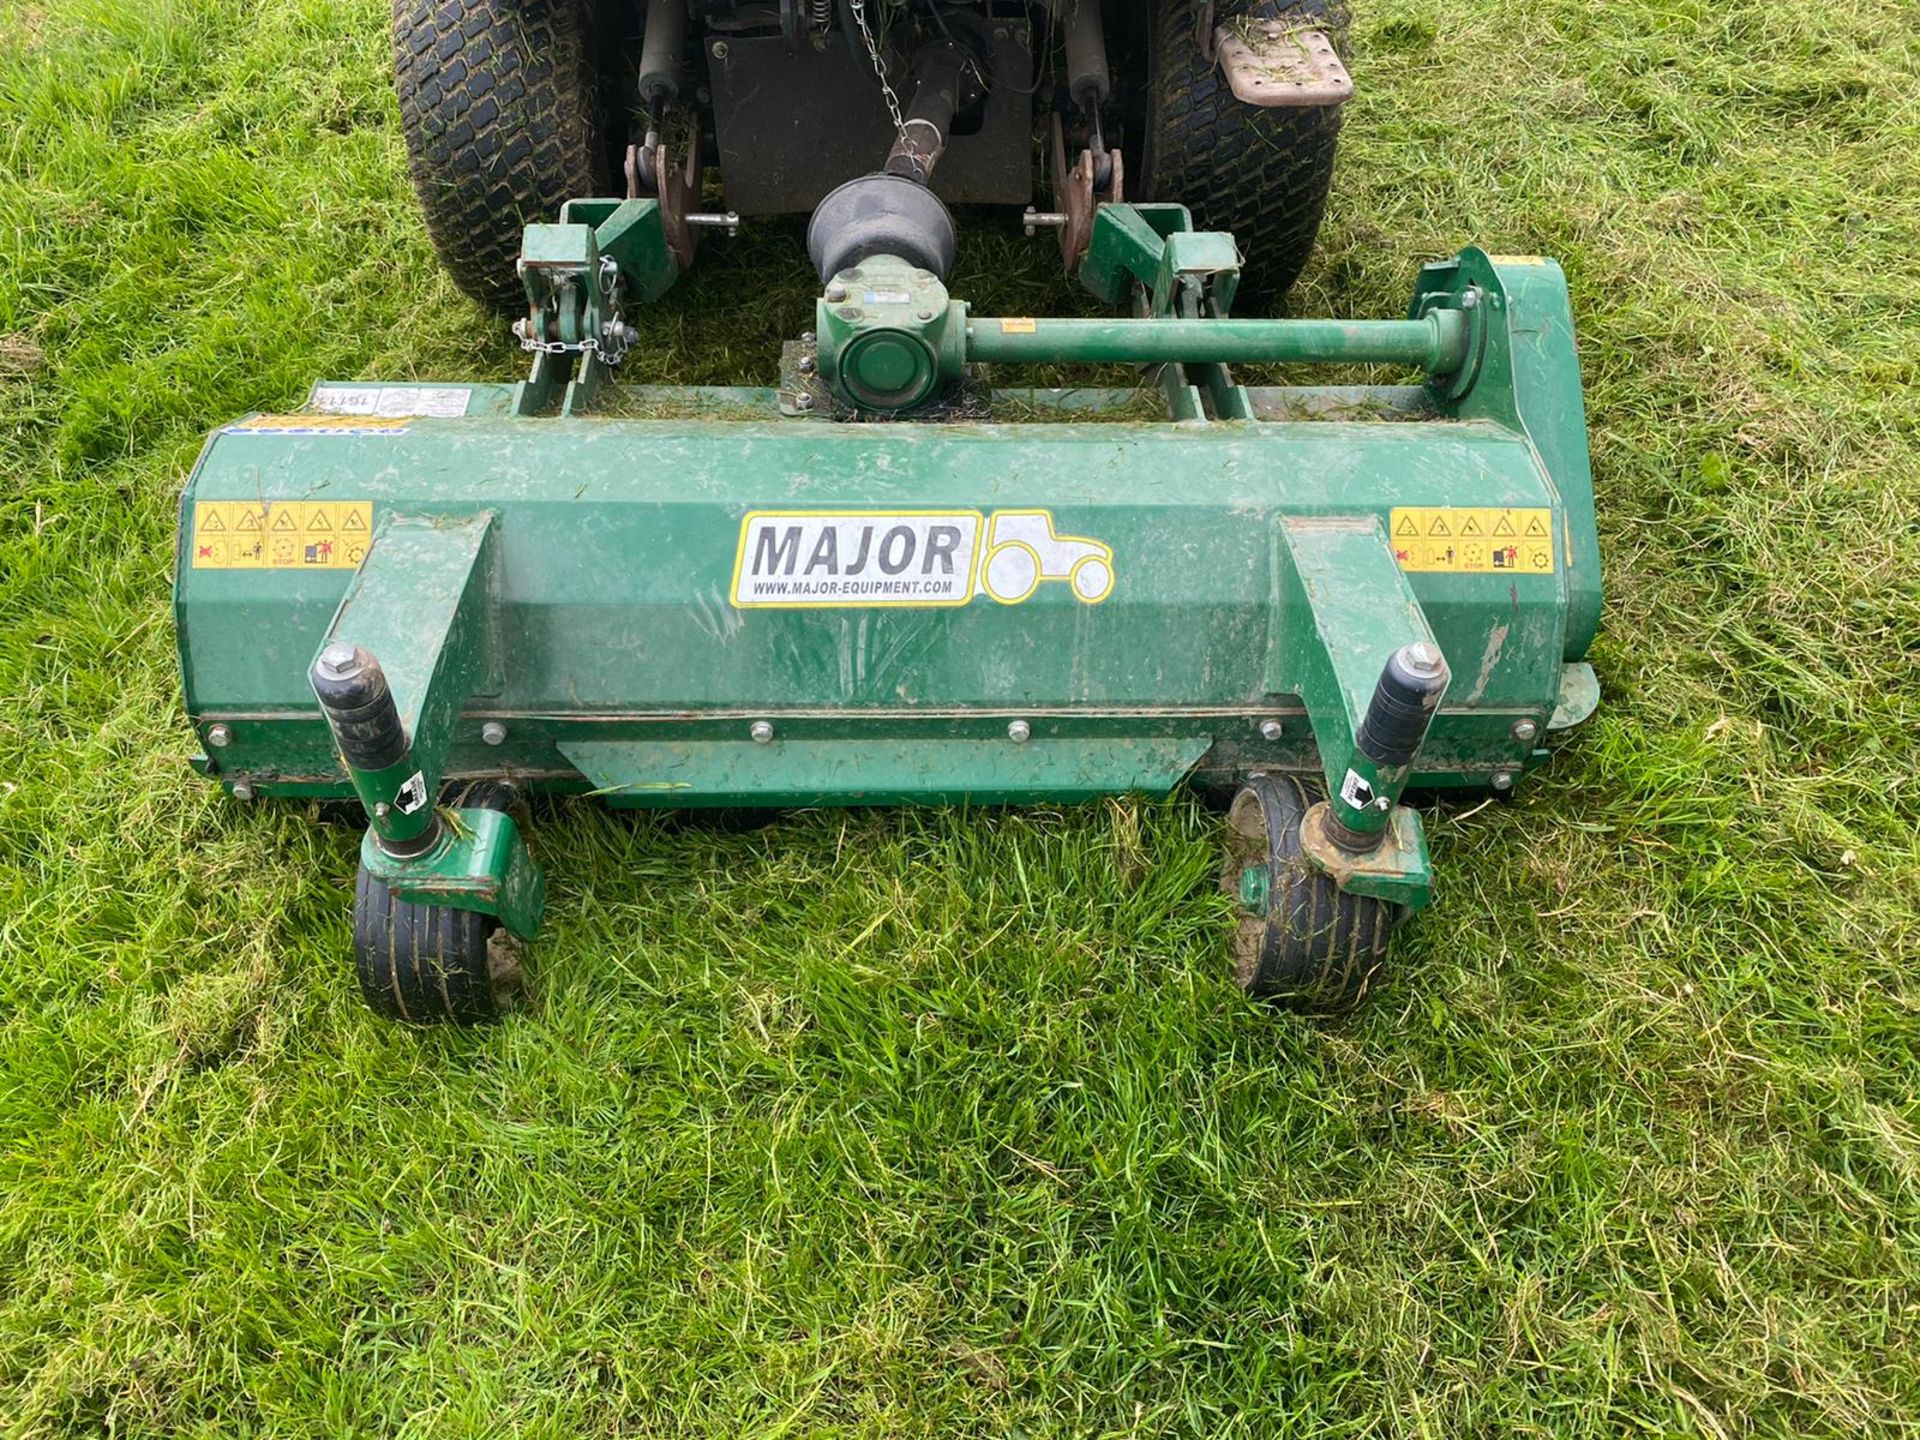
1022,551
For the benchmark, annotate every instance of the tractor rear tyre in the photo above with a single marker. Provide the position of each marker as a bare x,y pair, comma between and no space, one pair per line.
1310,944
500,103
1258,172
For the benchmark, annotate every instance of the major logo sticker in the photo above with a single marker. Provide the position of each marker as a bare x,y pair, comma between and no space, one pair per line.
800,559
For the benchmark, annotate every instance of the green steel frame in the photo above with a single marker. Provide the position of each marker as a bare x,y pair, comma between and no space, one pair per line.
722,597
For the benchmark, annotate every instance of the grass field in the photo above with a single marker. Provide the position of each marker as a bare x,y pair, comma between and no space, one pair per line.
929,1124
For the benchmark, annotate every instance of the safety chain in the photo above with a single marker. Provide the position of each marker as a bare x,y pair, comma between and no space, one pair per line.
565,347
618,340
859,8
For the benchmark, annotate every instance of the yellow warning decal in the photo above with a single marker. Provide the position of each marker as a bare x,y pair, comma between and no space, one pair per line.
281,535
318,425
1472,540
1019,326
1518,259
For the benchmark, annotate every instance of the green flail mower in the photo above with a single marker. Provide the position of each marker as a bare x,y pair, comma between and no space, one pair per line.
435,598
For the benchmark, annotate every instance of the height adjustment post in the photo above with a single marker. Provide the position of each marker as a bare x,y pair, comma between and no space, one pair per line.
373,743
1349,638
407,648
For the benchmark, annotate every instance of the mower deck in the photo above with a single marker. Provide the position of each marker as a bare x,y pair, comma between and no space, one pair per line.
737,597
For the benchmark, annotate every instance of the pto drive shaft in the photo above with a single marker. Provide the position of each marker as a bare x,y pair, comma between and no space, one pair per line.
1437,342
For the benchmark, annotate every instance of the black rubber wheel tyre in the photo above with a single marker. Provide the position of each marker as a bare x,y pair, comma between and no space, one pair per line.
426,964
1315,947
1261,173
500,104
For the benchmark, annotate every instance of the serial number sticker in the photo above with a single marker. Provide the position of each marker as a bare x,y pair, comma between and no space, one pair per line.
281,535
317,425
1472,540
799,559
1017,326
391,401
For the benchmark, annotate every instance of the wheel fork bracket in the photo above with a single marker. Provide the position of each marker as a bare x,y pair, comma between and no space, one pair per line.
480,862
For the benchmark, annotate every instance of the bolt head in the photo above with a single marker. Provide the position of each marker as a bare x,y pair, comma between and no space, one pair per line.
762,732
219,736
803,401
1019,732
1524,730
806,365
1421,658
494,733
342,660
807,337
719,49
836,292
1469,298
1271,730
1503,781
242,791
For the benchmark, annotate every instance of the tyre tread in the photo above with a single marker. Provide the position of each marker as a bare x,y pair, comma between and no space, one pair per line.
1261,173
499,104
1321,947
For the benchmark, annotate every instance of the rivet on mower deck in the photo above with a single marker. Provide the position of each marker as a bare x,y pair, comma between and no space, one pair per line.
762,732
1271,729
1019,732
1524,730
1503,781
493,733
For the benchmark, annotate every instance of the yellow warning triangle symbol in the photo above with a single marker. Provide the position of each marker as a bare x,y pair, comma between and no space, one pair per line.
1439,526
1471,526
1534,527
283,520
210,521
1503,526
353,521
1406,526
249,520
319,521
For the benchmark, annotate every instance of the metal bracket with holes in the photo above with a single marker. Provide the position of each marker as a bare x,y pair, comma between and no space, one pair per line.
1269,63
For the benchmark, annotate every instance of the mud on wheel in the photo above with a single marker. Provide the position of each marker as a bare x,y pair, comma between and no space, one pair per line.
1301,939
426,964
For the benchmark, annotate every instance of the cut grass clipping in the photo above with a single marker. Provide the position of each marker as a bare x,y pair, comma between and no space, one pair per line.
937,1123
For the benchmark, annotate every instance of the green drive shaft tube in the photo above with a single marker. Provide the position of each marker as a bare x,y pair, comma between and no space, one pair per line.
891,339
1436,342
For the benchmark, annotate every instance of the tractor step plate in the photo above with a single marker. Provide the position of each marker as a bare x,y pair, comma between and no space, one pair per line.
1270,64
